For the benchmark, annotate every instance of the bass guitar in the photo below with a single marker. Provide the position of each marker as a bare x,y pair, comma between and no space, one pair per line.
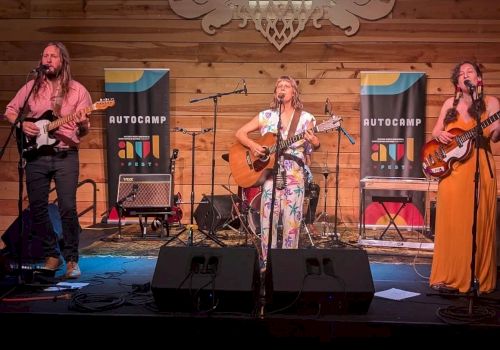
438,158
48,124
250,171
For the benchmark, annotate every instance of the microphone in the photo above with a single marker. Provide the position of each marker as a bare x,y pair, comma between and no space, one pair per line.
468,83
245,87
135,188
41,68
281,97
280,179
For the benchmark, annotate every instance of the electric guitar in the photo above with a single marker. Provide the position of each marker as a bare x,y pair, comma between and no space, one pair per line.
177,211
48,124
250,171
438,158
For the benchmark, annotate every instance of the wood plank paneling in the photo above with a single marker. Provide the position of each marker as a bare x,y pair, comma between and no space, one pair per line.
14,9
264,52
160,9
464,9
419,35
178,31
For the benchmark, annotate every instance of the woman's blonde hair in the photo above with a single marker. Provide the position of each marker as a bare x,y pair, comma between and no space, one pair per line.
296,103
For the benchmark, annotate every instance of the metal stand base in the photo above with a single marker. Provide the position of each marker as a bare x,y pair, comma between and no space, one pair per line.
304,227
322,219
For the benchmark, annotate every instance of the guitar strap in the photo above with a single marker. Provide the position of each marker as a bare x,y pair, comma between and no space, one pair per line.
294,123
291,133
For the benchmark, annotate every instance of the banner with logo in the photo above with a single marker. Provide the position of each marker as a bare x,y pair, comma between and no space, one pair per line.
137,128
392,135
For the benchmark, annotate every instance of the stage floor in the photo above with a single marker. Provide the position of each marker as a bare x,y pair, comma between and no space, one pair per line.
118,296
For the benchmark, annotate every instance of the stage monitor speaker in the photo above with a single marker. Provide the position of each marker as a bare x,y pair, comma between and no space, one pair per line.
32,250
319,281
144,192
223,207
201,279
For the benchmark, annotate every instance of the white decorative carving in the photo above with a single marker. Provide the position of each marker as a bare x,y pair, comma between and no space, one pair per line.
281,21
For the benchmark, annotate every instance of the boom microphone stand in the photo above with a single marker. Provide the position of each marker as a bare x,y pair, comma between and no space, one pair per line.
215,99
474,282
119,206
18,123
335,237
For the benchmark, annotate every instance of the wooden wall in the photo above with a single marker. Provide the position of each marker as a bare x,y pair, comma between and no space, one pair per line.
419,35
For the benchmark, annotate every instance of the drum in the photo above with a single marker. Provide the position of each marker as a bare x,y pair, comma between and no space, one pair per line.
308,208
248,194
253,215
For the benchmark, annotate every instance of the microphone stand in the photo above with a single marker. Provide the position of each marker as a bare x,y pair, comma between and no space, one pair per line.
215,99
119,207
335,237
191,225
474,282
271,215
473,294
20,168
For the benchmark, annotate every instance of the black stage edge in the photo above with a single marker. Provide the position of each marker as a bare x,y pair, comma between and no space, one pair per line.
133,328
124,309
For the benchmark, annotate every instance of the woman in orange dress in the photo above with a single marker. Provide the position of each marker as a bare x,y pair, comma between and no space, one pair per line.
451,264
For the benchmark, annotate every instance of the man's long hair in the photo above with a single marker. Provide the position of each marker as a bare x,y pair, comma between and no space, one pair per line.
63,74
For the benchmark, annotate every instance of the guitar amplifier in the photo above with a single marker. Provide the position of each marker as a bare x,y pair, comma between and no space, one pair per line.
139,193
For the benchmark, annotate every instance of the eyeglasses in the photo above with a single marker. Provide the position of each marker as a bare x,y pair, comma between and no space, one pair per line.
284,86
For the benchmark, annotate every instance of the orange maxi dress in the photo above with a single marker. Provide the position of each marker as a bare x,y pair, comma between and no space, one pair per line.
451,263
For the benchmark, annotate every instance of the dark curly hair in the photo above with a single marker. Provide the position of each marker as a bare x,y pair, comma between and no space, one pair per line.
478,106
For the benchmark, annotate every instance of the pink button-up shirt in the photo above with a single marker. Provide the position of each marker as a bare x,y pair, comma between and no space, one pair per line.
76,99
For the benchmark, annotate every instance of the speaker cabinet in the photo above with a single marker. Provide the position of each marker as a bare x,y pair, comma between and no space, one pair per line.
144,192
222,212
199,279
319,281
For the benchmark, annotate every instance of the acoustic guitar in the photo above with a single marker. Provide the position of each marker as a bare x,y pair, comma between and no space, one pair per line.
438,158
250,171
